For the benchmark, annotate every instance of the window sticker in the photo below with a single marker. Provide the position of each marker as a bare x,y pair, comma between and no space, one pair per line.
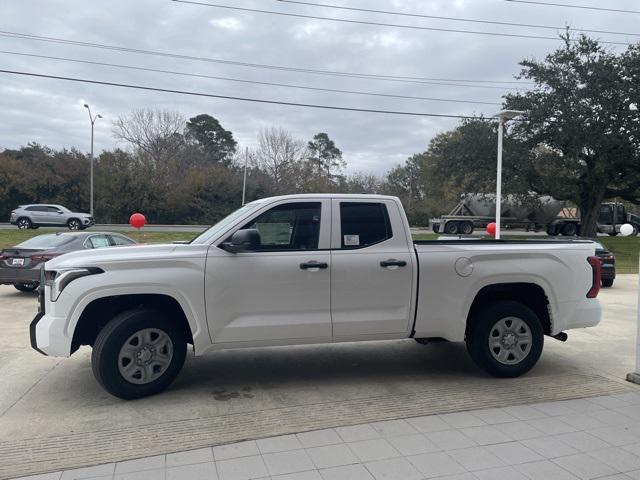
351,240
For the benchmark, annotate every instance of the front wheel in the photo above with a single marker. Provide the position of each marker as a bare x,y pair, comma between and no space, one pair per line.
505,339
607,282
138,353
74,224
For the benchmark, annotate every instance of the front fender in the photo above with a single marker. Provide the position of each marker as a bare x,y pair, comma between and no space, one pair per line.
186,288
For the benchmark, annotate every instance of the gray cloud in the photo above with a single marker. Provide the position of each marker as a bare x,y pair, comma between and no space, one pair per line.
51,112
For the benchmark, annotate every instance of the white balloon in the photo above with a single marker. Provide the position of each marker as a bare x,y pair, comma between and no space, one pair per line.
626,229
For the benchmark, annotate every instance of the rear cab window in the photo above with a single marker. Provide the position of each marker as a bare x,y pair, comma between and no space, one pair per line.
363,224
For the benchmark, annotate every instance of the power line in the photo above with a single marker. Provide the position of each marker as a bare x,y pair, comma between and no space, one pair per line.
254,82
242,99
366,76
585,7
454,19
380,24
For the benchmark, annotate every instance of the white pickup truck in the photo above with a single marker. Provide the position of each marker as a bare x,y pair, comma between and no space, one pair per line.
304,269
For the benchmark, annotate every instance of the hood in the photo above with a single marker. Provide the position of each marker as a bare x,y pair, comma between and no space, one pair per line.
122,255
82,214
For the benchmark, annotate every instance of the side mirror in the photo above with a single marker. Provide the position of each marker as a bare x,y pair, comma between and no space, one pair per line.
243,240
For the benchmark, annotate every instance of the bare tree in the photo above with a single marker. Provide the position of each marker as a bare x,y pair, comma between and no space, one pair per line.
277,153
154,132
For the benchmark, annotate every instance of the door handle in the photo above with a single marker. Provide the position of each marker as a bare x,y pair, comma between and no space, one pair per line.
392,262
308,265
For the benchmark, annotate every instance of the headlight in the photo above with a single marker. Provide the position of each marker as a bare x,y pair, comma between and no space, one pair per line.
57,280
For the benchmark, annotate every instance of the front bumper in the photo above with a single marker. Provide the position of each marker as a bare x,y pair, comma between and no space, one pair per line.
12,276
46,332
88,222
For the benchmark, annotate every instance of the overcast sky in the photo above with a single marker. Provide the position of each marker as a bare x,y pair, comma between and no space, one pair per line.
51,112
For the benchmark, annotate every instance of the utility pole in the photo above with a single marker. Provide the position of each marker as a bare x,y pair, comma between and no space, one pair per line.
244,181
93,121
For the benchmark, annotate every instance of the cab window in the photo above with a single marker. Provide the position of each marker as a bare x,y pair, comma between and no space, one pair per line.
363,224
290,226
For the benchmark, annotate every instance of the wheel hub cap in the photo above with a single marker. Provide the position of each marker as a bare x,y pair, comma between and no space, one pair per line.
510,340
145,356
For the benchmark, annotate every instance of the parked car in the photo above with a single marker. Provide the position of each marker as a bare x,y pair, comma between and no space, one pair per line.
20,265
314,268
608,261
34,216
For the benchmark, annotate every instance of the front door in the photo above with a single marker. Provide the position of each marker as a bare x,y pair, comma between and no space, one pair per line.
281,289
372,269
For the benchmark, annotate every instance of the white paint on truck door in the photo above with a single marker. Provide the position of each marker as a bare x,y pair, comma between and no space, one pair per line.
372,269
282,289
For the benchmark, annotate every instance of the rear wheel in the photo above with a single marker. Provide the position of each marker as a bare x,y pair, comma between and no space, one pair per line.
74,224
138,353
23,223
466,228
569,229
26,287
505,339
451,228
607,282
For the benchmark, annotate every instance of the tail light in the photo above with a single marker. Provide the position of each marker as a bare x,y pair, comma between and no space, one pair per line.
596,269
43,257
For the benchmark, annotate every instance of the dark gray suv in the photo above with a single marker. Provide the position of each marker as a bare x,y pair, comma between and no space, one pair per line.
34,216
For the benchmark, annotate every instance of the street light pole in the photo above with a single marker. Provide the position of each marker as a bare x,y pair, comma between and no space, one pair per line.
499,177
502,117
244,181
93,121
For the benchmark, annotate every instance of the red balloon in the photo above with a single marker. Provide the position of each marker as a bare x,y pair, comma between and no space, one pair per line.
137,220
491,229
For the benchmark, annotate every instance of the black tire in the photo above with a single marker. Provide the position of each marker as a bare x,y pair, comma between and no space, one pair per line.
114,335
74,224
451,228
607,282
466,228
26,287
481,327
435,227
569,230
24,223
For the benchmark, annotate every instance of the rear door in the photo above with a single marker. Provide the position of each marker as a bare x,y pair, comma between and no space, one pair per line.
372,269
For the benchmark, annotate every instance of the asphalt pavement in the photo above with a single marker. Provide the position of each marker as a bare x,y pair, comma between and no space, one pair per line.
54,415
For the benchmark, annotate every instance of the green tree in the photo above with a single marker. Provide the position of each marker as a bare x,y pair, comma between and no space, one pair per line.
216,143
582,125
324,154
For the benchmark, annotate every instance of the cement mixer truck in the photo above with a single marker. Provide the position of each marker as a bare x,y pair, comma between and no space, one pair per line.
476,210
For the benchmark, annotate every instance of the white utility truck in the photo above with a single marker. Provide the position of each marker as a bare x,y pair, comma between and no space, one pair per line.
304,269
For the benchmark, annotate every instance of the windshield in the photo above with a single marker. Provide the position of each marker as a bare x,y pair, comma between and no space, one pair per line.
207,235
45,241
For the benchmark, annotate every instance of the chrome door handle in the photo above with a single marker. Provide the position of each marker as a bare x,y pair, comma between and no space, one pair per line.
308,265
392,262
